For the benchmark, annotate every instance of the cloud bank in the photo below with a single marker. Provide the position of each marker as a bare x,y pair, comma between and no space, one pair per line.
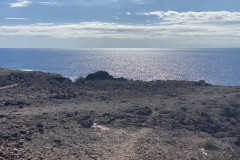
114,30
194,27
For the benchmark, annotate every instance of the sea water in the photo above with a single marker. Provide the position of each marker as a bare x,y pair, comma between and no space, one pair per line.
215,66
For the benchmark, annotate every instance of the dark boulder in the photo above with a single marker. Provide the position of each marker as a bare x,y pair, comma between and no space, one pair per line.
237,141
100,75
86,122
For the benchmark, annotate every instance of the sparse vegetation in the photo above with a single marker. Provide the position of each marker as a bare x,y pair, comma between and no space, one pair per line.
80,80
204,135
208,143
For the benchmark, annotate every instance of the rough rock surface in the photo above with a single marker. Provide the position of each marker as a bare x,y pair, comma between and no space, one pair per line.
46,116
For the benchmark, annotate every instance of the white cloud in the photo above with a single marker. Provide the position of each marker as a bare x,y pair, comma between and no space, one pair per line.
138,1
20,3
15,18
195,17
48,3
128,13
116,17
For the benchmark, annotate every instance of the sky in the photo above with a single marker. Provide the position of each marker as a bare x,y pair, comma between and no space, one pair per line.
119,23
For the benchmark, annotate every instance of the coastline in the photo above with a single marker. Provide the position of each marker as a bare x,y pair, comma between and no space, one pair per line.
47,116
215,66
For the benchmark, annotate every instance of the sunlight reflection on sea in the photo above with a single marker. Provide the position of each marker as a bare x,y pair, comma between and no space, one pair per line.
215,66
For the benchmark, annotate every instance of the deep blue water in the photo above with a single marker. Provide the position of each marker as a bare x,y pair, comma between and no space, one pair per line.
215,66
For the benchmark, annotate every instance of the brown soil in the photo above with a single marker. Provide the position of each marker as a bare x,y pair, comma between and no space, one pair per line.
46,116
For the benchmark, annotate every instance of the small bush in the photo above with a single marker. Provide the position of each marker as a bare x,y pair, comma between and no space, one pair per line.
80,80
208,143
204,135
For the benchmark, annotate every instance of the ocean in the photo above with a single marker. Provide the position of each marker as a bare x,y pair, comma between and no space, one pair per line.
215,66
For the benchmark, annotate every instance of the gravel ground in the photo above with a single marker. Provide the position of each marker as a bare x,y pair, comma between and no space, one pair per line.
46,116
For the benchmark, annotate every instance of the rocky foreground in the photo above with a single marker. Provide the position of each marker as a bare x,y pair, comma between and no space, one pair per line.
47,116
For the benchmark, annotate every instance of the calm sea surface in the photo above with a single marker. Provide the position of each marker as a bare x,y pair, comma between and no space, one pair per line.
215,66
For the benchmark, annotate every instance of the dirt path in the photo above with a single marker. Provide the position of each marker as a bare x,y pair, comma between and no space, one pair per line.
126,141
10,86
127,148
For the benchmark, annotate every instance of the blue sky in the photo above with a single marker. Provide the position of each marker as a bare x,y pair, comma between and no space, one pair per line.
119,23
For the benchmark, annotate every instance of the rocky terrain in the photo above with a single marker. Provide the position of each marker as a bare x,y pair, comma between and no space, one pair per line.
47,116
